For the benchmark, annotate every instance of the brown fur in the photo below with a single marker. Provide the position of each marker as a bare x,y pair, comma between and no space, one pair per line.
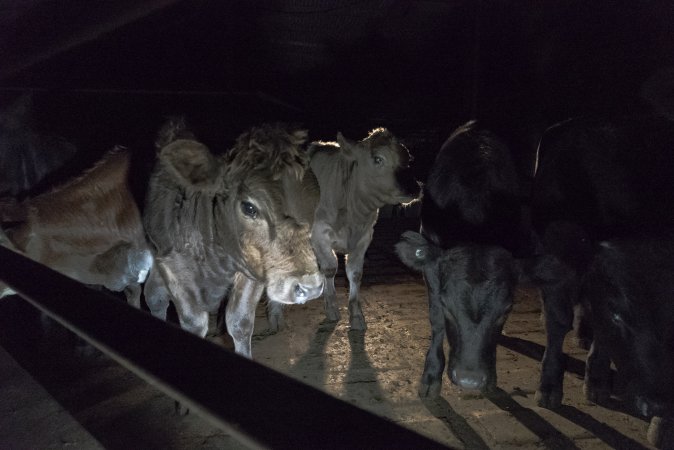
270,148
196,215
89,228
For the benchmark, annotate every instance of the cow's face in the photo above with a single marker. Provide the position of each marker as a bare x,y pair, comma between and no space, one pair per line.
384,167
275,248
472,288
274,236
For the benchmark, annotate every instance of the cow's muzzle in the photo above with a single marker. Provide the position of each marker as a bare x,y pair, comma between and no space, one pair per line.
308,290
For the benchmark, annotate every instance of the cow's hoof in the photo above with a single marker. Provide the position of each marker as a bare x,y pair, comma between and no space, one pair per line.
549,400
430,390
597,393
661,432
647,406
332,314
357,323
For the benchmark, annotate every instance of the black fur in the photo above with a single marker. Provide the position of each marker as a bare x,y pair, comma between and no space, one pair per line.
597,179
470,224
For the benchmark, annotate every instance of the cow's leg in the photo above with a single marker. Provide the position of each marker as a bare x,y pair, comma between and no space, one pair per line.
157,297
132,292
240,315
186,294
275,316
330,293
597,387
322,238
558,301
354,272
582,327
434,365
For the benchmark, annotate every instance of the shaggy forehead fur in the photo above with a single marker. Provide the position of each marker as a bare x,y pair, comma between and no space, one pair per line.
273,149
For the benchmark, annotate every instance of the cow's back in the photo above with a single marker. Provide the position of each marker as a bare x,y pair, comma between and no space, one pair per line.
332,171
88,212
611,177
471,195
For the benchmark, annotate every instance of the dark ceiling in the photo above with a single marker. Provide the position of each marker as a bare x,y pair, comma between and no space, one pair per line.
420,67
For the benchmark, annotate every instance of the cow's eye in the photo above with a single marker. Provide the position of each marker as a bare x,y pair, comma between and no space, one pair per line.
378,160
249,209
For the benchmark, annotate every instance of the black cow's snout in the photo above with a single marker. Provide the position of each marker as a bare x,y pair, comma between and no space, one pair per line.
469,379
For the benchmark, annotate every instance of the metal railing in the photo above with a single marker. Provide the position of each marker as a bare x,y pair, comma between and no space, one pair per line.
257,405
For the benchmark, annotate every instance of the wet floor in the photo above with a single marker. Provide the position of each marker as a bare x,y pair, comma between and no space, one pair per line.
53,397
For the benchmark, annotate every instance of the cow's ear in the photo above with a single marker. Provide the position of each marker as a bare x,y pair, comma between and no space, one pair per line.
415,251
191,162
347,146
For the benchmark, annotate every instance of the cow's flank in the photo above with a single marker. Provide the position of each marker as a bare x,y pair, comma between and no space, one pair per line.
89,228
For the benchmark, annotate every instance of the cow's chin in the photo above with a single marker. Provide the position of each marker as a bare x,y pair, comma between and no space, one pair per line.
293,290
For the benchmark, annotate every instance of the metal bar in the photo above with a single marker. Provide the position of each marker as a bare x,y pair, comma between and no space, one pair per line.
259,406
84,34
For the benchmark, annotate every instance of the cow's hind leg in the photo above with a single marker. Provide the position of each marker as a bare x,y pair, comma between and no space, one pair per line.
597,387
321,239
558,307
275,316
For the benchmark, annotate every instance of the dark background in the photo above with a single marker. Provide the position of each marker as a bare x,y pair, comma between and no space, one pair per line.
109,72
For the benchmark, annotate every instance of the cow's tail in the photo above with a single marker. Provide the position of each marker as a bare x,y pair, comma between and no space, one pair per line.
173,129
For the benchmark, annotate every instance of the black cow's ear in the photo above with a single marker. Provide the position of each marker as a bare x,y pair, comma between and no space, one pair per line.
415,251
191,162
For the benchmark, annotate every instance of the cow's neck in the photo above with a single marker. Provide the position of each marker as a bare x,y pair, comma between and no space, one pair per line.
360,202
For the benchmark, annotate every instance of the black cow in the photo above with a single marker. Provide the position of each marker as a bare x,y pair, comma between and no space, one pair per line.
470,226
597,179
629,291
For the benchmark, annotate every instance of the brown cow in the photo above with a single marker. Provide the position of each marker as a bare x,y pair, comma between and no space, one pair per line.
356,179
237,223
89,229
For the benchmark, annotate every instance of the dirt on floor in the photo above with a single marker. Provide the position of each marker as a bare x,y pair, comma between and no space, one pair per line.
52,396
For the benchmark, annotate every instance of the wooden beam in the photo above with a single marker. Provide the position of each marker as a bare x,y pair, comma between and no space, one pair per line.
261,407
100,18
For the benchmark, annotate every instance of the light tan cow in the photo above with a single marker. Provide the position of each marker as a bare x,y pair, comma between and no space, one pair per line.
236,224
356,179
89,228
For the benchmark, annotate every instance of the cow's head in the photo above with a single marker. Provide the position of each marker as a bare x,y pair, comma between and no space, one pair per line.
472,287
268,167
253,224
384,166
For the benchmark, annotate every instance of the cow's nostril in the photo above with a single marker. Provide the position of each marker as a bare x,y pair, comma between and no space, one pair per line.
299,291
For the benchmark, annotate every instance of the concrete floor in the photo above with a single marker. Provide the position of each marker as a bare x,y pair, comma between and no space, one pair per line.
54,397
